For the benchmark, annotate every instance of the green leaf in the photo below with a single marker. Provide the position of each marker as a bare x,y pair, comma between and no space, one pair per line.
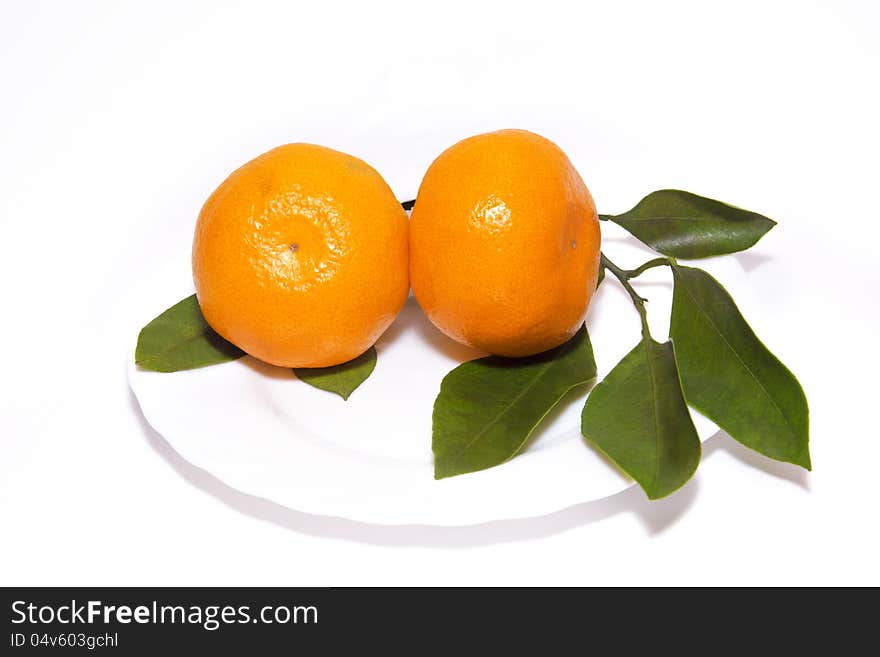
730,376
601,276
637,416
684,225
342,379
180,339
487,408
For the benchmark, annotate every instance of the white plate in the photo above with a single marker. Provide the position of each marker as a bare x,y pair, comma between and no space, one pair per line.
263,432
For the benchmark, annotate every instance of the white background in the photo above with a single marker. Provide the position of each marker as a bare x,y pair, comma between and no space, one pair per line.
118,119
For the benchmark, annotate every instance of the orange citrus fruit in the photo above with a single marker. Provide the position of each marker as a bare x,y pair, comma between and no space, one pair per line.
504,244
300,257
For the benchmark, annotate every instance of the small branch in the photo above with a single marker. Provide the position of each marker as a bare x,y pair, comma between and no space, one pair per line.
639,302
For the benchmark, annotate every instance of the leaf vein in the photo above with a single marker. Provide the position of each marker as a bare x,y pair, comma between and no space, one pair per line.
657,447
501,413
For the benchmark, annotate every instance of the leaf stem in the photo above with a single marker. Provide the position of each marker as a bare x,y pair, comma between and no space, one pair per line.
638,271
623,276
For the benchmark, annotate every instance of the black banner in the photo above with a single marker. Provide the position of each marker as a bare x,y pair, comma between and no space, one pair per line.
149,621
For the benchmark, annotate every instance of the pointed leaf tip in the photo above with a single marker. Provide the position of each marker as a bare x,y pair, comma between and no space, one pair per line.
181,339
342,379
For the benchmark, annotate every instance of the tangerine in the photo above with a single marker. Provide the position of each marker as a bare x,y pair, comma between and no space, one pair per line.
504,244
300,257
